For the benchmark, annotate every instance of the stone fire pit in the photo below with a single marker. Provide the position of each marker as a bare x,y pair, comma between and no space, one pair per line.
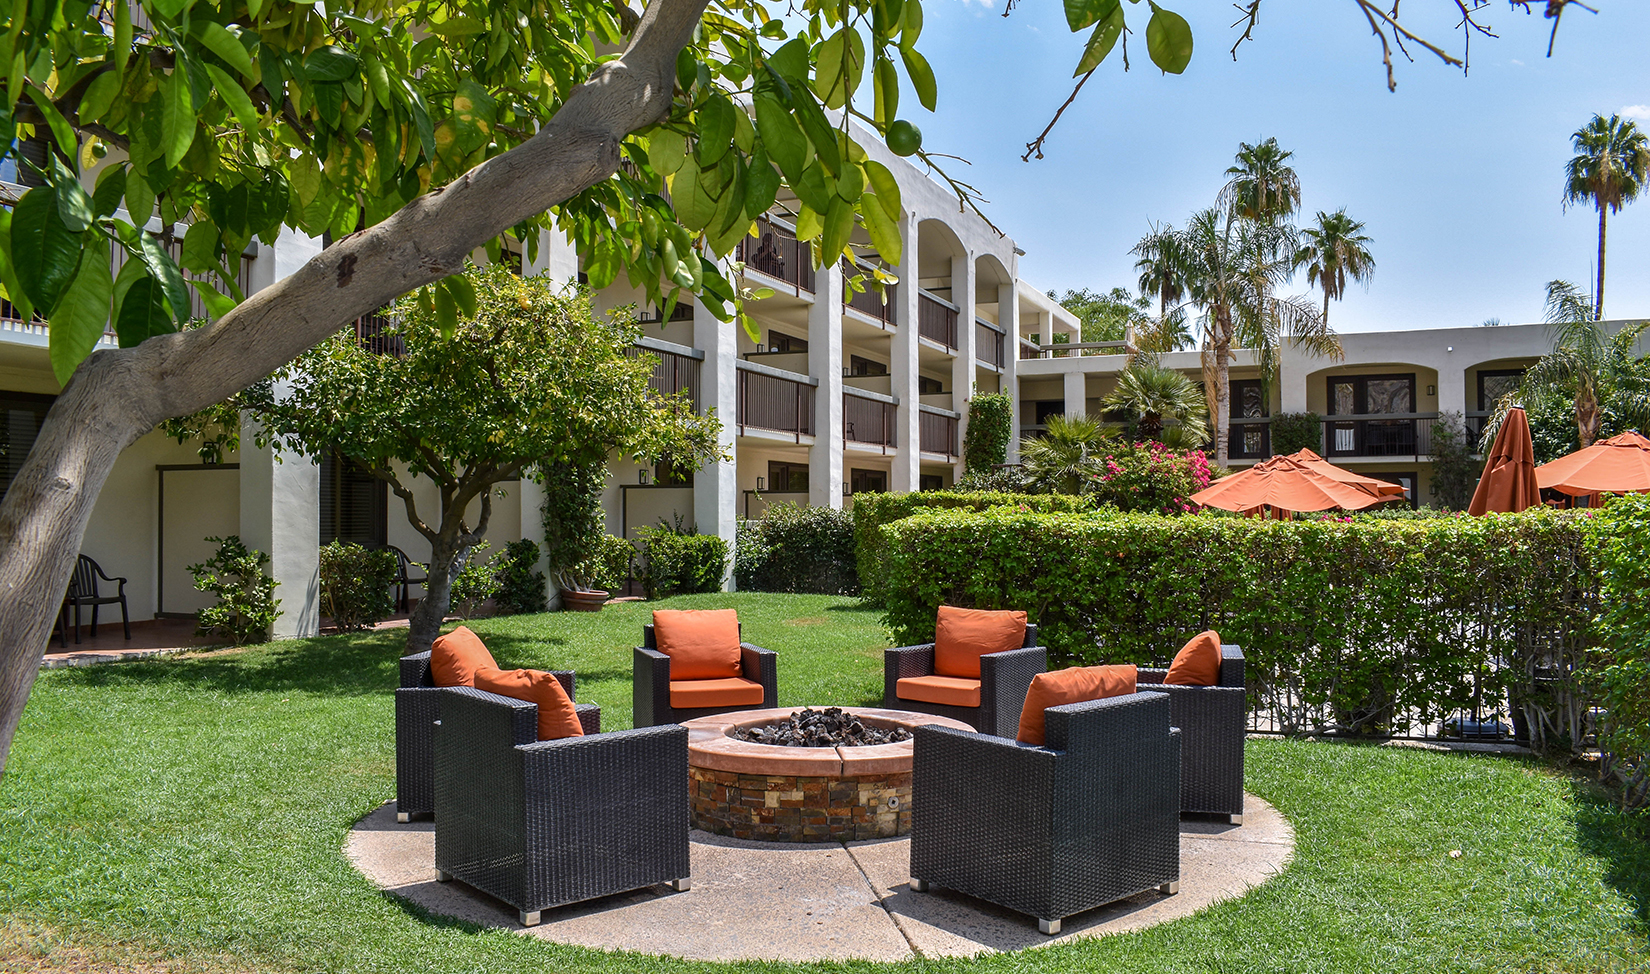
800,794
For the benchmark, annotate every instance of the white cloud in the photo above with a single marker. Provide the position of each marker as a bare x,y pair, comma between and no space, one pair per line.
987,4
1518,62
1640,112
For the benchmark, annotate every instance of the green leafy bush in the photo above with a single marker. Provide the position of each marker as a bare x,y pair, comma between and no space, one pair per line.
520,583
247,606
475,582
1622,662
1293,432
797,549
1147,476
1350,626
1001,480
573,520
609,567
676,561
1454,469
990,428
872,511
356,584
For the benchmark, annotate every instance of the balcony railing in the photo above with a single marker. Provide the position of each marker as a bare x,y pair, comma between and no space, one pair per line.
1030,350
676,370
867,420
777,253
988,344
376,334
1068,349
1384,435
770,402
868,302
937,433
936,320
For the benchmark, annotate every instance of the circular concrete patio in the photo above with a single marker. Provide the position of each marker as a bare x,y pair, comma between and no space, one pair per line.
791,902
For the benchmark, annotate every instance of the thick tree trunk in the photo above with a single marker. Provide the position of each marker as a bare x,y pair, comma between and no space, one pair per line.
117,396
1598,306
446,555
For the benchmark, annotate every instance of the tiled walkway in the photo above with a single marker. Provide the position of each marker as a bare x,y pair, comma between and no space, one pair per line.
154,637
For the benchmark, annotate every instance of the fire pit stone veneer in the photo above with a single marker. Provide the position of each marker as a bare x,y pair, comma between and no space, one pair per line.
800,794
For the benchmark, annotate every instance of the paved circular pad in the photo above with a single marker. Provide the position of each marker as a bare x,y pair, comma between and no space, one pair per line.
791,902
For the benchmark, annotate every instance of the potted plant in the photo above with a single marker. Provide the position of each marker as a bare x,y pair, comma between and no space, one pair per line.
573,531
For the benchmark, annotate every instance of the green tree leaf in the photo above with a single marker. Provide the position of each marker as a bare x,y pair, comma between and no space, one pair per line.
886,81
162,269
217,39
464,294
886,187
217,303
140,199
715,129
839,226
109,190
74,204
1081,13
78,320
841,66
1102,40
666,149
44,252
8,272
761,185
818,127
330,63
200,247
61,132
235,97
884,232
177,118
922,76
142,313
446,313
100,96
782,136
1169,40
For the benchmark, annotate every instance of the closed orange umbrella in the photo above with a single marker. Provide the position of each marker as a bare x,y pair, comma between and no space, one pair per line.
1285,484
1618,465
1508,484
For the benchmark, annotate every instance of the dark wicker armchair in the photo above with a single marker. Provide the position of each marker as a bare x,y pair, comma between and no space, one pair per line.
1052,831
540,824
1004,679
1213,722
417,708
650,685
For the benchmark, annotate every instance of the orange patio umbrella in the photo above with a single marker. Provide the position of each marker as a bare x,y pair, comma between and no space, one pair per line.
1618,465
1287,483
1382,488
1508,484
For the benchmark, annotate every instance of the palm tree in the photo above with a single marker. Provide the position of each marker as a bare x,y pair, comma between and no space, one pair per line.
1166,334
1152,395
1059,459
1231,266
1587,364
1608,172
1160,267
1335,249
1263,188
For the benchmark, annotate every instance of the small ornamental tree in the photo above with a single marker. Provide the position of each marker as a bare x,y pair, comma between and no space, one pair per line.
532,378
1454,469
990,428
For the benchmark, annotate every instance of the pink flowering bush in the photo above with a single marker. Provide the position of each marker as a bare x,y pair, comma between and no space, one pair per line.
1147,477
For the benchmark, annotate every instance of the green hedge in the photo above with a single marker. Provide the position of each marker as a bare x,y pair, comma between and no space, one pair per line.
356,584
797,549
872,511
1346,625
677,563
1621,546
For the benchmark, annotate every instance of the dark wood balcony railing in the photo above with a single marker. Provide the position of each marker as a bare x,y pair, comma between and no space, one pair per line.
936,320
1386,435
868,420
937,433
868,301
376,334
771,403
1030,349
988,344
672,372
776,252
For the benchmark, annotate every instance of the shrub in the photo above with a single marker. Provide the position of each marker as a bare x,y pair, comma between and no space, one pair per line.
990,427
609,567
872,511
356,584
1293,432
520,583
247,606
1148,476
1352,626
1454,471
797,549
677,561
1001,480
1622,547
475,583
573,520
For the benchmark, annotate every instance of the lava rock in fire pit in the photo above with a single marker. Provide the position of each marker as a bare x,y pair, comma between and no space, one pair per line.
831,727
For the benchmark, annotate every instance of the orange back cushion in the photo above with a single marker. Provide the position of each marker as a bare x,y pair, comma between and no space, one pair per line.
1198,662
703,644
962,636
1070,686
456,658
557,718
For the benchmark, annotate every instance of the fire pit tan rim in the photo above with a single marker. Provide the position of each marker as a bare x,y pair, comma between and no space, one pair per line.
711,746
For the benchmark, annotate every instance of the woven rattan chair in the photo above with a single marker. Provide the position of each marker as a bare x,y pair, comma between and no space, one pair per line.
84,591
540,824
1004,679
650,685
1213,722
1089,818
417,708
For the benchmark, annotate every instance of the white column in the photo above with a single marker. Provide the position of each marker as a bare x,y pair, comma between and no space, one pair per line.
556,258
1077,384
903,365
1452,384
965,366
825,364
716,485
1008,319
281,516
1292,370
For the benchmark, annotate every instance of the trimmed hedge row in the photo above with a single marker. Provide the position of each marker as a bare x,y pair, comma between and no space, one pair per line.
1359,626
1621,547
872,511
797,549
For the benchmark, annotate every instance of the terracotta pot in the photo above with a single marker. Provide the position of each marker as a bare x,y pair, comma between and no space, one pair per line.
583,601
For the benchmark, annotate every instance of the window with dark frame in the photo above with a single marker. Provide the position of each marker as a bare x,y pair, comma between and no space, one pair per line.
861,481
780,342
1049,407
787,478
929,387
1248,401
930,481
865,366
354,503
1495,383
669,474
24,412
1371,395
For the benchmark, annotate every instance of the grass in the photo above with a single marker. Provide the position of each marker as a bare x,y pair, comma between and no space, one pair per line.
189,815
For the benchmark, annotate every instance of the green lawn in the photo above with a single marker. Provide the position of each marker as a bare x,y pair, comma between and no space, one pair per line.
189,815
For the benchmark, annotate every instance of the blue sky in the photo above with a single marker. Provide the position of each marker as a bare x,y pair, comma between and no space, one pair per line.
1459,179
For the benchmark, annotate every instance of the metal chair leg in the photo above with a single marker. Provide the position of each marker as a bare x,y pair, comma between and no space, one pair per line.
125,619
529,919
1048,927
1169,888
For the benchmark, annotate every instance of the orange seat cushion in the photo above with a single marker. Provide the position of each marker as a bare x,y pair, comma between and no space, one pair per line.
962,636
703,644
953,691
1198,662
456,658
557,718
731,691
1073,685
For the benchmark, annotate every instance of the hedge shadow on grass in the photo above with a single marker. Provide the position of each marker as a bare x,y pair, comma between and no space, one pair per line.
1622,840
344,665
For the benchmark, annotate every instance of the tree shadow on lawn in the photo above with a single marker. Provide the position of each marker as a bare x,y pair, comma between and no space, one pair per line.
355,664
1621,839
529,652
